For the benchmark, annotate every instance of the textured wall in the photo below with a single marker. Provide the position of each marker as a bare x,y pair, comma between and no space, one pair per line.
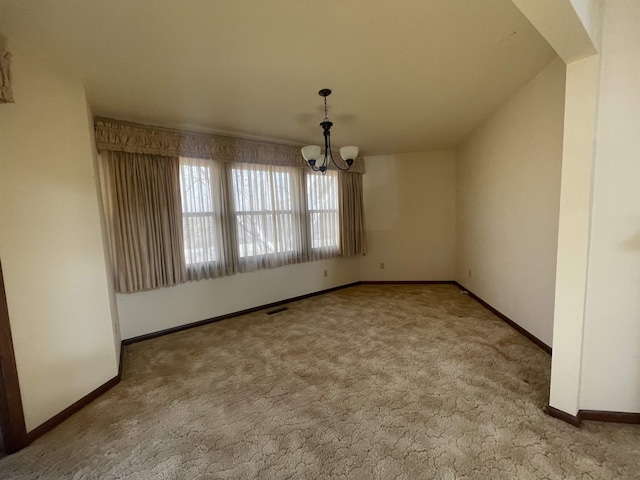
508,196
147,312
611,355
50,242
410,208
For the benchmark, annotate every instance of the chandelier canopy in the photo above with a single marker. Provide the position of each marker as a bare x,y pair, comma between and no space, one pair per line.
312,153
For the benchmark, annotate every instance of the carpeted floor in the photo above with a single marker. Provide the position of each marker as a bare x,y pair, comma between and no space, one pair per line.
410,381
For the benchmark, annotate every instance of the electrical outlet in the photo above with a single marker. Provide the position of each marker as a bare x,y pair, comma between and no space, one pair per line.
469,273
326,273
381,265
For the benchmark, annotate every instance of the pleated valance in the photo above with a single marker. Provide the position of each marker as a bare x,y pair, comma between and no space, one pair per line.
119,136
6,92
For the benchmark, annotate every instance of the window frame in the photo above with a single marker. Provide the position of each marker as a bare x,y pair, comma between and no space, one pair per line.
215,214
274,212
333,247
292,241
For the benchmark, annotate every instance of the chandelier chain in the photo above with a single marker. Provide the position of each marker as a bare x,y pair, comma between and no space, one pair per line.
326,117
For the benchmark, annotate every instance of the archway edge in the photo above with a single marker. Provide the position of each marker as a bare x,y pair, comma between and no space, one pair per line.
574,29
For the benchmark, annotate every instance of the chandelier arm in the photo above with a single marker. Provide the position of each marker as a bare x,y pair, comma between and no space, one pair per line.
332,159
327,144
338,166
327,141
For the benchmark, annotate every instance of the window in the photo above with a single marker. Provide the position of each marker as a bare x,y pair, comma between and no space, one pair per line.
175,218
322,203
201,212
240,217
264,200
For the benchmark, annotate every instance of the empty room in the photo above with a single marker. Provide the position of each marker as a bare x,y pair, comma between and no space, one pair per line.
320,239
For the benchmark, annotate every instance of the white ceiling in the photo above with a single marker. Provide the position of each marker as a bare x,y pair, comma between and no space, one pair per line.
406,76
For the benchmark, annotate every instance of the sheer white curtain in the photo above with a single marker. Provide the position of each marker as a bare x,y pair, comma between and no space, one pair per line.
322,206
202,199
266,205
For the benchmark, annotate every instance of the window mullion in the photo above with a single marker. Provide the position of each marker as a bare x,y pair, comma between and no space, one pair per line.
304,215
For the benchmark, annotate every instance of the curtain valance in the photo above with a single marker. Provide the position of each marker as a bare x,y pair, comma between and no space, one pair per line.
6,93
114,135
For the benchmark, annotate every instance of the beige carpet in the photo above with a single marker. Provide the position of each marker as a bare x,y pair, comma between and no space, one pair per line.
367,382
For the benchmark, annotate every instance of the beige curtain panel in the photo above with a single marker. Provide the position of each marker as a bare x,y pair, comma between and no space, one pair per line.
353,239
143,205
6,92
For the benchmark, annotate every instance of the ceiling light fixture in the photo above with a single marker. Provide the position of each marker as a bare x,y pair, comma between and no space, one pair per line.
312,153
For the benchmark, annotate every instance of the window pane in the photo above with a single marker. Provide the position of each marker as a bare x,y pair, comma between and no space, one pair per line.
324,229
195,187
199,187
198,233
322,202
323,191
263,205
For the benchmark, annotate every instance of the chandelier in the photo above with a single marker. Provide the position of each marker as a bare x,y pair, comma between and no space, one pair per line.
312,153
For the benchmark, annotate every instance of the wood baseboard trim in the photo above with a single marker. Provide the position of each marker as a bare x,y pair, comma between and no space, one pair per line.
507,320
12,425
594,416
73,408
207,321
120,360
408,282
613,417
565,417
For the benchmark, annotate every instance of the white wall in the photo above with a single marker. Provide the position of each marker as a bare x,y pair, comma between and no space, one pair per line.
508,188
581,108
611,352
591,15
409,202
50,241
113,306
410,217
147,312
